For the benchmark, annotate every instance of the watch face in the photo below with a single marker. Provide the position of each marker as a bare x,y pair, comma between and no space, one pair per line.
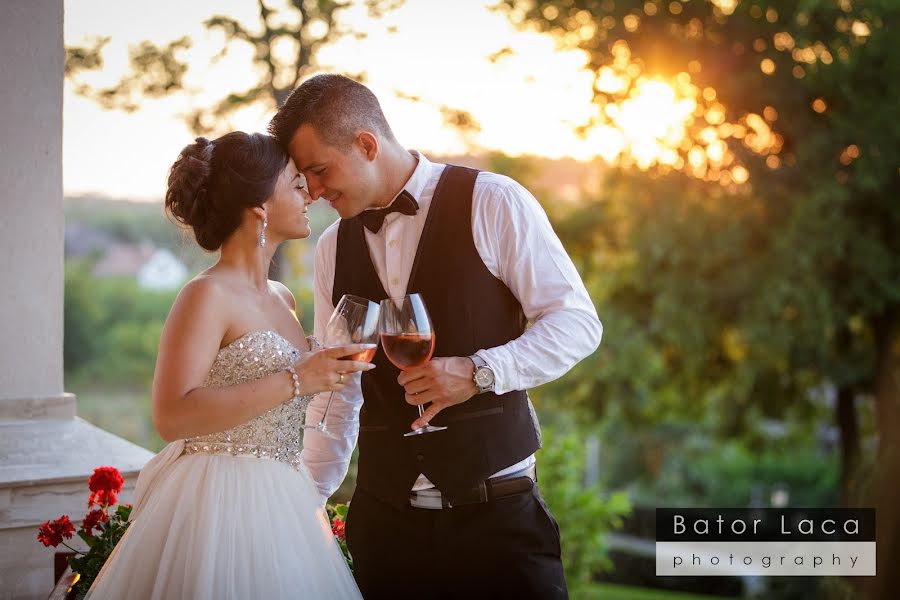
484,378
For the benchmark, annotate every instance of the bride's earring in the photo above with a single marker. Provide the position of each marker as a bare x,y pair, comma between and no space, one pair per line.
262,234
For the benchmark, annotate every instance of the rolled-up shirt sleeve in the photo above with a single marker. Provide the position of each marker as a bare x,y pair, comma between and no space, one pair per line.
328,459
517,244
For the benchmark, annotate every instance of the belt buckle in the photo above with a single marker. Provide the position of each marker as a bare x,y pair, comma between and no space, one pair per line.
484,496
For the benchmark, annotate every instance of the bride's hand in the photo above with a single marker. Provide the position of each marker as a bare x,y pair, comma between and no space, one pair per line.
323,371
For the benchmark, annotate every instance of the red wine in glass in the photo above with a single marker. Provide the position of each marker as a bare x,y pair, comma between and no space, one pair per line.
355,320
407,337
407,350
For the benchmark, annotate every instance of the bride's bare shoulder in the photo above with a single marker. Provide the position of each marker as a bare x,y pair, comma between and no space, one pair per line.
201,311
203,290
284,292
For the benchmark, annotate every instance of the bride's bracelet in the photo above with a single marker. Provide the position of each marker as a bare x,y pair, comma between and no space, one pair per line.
296,379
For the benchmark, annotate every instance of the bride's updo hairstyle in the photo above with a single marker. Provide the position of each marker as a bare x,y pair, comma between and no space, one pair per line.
213,182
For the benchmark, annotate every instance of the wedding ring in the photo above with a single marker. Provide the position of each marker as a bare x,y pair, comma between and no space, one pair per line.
340,378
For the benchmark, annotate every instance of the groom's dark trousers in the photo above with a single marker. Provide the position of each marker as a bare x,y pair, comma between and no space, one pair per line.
507,548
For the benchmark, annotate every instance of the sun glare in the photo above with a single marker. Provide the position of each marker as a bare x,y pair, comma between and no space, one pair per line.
652,121
671,123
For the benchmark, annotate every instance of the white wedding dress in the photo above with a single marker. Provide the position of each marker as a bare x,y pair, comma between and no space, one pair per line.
233,515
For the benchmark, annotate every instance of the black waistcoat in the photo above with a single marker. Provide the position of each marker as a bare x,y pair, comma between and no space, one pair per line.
470,310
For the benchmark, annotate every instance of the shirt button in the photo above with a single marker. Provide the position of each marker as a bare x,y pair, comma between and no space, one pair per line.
395,281
392,243
420,457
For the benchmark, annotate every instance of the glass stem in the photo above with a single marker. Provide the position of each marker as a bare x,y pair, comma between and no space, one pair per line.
327,406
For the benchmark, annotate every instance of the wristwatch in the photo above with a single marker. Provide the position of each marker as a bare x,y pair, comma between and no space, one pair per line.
484,375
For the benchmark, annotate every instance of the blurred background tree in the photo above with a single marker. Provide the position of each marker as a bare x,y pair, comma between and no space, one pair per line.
285,43
754,271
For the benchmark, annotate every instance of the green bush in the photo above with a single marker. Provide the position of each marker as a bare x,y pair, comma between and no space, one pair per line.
684,464
585,513
83,317
112,329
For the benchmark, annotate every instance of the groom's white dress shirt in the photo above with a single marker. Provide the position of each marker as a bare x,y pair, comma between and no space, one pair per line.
515,241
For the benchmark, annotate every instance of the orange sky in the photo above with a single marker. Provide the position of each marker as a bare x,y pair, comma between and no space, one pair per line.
527,103
530,101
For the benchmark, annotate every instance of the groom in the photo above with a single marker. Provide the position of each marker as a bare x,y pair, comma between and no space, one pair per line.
455,513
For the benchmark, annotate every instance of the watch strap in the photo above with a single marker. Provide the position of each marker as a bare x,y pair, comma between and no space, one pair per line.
481,364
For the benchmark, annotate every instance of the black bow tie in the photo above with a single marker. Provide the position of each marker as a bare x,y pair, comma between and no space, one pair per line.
374,219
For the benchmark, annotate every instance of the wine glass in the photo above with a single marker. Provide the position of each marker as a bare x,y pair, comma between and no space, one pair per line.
408,338
355,320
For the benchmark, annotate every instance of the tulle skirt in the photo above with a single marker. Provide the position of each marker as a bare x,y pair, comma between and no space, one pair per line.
213,527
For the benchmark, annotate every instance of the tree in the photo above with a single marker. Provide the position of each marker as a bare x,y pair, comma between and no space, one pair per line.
797,287
286,42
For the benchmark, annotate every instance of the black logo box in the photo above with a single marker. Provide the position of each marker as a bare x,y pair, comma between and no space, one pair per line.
765,524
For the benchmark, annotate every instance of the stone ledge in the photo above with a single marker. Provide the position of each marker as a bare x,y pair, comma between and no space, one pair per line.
29,506
50,407
45,451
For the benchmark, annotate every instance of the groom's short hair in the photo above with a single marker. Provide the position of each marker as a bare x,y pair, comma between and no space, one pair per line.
336,106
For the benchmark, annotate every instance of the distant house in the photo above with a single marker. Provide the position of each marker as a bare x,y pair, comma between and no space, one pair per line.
163,271
153,268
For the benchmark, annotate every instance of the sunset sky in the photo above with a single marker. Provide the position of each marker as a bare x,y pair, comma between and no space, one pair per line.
526,103
529,101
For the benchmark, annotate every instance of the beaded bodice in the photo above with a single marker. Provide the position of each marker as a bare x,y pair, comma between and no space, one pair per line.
276,434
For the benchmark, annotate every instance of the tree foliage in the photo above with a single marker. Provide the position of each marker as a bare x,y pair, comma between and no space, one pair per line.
752,300
285,43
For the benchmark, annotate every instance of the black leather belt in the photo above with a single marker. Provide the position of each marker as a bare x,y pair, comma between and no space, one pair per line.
490,489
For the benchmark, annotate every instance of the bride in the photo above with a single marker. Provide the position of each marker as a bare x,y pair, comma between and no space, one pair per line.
227,510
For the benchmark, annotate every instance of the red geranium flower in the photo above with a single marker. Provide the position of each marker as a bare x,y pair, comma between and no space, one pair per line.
104,484
337,528
52,533
106,479
93,520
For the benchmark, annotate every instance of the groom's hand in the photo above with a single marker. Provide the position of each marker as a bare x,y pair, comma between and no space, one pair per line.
441,381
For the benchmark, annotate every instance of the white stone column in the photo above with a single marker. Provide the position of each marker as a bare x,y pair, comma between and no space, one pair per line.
46,452
31,228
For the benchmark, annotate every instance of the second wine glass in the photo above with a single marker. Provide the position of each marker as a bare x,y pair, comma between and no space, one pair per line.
407,337
355,320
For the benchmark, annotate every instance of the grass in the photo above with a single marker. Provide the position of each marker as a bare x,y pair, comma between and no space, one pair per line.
608,591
